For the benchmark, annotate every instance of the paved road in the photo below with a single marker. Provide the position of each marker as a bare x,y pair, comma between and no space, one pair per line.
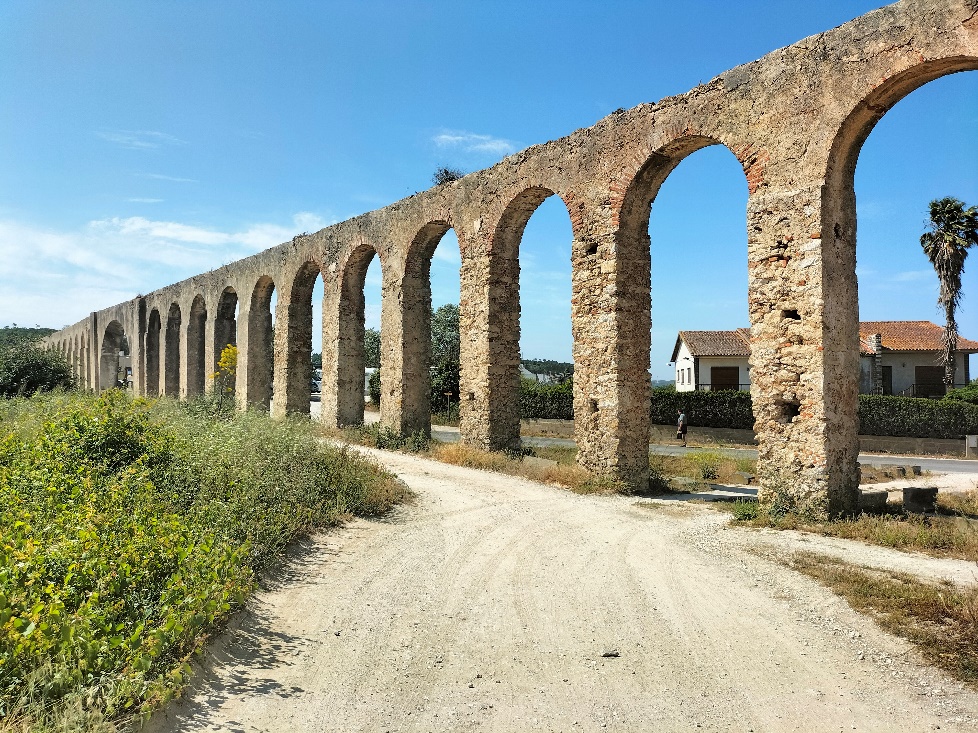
448,434
934,465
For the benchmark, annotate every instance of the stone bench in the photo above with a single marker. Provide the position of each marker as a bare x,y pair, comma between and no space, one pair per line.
920,500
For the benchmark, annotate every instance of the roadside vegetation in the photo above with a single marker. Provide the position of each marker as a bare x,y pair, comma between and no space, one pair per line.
940,619
551,465
952,532
131,529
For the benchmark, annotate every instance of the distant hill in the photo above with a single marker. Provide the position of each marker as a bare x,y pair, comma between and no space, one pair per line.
13,335
547,366
663,382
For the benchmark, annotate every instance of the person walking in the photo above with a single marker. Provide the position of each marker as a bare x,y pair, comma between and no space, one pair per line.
681,427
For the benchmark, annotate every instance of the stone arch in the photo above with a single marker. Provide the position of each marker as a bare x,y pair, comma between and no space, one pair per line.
171,356
259,356
413,335
612,287
489,408
347,373
837,237
113,345
196,364
153,353
293,368
225,325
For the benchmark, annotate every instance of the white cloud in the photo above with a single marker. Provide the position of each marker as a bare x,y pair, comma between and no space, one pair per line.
57,277
139,139
913,276
471,142
161,177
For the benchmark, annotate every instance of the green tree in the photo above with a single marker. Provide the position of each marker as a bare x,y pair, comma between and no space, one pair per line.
953,229
12,335
371,348
445,355
26,368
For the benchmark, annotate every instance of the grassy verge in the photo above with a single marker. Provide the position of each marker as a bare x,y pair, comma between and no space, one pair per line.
950,534
131,530
940,619
550,465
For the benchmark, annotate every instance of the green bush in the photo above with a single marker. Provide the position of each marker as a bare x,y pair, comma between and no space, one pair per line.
542,401
26,369
968,393
373,387
130,529
914,417
721,409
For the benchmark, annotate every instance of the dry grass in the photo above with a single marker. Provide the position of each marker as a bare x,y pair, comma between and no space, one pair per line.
545,470
940,620
709,466
962,504
941,536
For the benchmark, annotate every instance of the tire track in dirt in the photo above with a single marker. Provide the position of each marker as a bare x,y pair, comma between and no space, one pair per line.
487,606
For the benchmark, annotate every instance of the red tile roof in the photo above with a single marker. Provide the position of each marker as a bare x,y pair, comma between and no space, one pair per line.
715,343
896,336
908,336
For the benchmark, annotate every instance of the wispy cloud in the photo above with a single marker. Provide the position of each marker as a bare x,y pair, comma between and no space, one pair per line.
57,277
913,276
139,139
145,201
471,142
161,177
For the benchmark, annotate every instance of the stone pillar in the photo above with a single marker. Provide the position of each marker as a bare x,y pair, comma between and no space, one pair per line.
405,348
211,354
489,315
254,377
293,344
876,342
804,348
611,318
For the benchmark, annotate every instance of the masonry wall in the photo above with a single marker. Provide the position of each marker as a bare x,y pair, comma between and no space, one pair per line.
795,119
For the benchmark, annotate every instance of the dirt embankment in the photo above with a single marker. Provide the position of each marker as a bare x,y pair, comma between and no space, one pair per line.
496,604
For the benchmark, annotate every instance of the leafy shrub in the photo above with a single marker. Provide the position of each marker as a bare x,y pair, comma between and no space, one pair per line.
914,417
446,175
373,387
130,528
968,393
911,417
744,511
543,401
721,409
26,369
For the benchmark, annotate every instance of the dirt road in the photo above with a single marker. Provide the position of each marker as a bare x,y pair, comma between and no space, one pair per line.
496,604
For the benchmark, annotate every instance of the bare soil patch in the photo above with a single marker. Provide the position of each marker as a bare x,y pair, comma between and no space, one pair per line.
490,605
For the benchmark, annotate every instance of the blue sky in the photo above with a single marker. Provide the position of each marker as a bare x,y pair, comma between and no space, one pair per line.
141,143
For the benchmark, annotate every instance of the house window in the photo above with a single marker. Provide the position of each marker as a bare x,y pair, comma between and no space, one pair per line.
689,375
682,376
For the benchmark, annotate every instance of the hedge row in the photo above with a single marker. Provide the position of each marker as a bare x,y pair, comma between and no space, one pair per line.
724,409
909,417
913,417
555,401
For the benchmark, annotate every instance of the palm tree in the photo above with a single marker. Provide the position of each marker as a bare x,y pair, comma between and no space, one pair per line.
953,229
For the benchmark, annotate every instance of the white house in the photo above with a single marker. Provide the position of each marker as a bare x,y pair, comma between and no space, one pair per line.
895,358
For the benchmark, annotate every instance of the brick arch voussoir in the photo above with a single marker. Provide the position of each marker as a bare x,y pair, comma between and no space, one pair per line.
506,224
644,171
873,105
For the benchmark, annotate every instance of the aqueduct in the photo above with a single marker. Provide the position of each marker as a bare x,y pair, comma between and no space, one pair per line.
795,119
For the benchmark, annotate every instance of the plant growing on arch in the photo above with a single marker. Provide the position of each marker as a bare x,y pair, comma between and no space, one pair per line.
953,229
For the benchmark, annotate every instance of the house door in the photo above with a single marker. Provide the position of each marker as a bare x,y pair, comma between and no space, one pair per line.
928,381
887,379
724,378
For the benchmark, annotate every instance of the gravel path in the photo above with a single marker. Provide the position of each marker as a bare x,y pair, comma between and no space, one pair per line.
497,604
